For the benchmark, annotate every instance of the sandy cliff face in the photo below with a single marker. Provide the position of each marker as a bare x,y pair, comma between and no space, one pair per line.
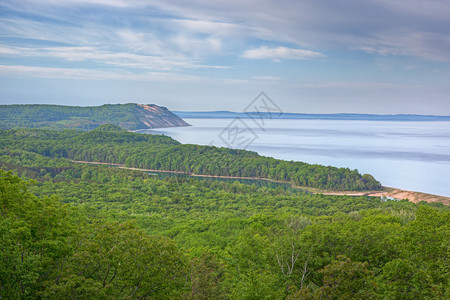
154,116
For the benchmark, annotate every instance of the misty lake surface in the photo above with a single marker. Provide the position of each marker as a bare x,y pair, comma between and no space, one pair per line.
408,155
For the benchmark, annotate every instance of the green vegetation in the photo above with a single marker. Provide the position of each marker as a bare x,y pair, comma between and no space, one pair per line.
49,250
110,144
128,116
81,231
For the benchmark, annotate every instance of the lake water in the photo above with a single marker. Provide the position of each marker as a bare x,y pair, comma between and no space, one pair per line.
408,155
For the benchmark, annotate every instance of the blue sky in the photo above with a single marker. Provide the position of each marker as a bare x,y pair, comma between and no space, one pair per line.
321,56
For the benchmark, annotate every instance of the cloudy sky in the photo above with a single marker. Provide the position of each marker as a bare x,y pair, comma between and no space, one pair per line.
313,56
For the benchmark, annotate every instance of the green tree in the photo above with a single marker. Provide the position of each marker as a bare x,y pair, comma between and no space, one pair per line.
120,261
34,234
343,279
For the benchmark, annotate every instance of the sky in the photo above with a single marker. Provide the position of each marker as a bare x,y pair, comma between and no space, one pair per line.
308,56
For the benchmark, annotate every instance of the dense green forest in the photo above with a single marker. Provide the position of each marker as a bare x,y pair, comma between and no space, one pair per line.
129,116
74,231
110,144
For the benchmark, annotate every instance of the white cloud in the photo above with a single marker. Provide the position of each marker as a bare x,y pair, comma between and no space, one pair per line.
371,26
194,46
208,27
87,74
74,73
143,42
118,59
360,85
267,78
72,3
418,44
278,53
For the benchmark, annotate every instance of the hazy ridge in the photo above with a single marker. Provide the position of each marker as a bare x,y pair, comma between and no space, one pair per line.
337,116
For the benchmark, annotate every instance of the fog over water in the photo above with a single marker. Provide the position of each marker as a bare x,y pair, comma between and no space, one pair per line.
408,155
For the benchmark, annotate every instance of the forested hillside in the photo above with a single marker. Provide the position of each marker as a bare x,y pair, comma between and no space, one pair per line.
110,144
129,116
72,231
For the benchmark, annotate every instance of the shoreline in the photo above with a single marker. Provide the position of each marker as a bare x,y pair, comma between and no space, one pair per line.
389,192
394,193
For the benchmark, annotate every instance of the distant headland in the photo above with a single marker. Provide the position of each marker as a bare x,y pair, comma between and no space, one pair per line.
129,116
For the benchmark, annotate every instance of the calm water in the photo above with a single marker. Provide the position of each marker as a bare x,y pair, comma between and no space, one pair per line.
408,155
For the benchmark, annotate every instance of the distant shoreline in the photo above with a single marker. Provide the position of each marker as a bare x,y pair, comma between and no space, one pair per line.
394,193
303,116
389,192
